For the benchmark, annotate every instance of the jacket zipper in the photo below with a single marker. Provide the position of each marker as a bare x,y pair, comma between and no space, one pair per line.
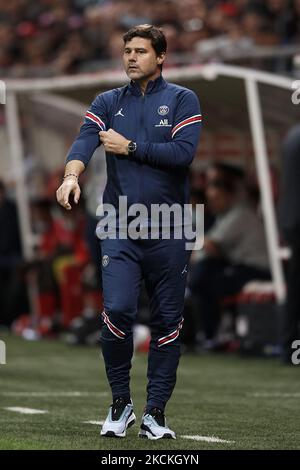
141,168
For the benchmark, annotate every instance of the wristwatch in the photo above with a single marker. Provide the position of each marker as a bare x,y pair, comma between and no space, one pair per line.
131,147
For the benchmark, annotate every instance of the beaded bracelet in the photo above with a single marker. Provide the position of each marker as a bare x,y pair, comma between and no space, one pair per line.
70,174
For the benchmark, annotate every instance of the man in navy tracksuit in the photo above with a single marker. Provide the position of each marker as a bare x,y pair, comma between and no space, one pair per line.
150,130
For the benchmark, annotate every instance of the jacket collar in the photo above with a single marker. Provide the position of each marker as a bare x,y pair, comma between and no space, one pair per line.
152,86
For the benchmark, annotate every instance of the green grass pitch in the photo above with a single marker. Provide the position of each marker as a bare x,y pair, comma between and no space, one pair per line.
252,403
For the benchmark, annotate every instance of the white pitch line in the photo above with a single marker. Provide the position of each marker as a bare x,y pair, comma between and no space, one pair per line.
207,439
275,395
54,394
211,439
26,411
98,423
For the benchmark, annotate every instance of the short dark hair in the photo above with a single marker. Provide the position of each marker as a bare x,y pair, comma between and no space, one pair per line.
230,177
2,187
229,170
148,31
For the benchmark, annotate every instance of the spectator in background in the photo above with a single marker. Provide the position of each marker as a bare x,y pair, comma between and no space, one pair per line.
280,16
234,247
290,223
11,287
61,246
55,37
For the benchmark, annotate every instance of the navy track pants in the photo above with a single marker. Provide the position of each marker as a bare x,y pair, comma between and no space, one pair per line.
163,266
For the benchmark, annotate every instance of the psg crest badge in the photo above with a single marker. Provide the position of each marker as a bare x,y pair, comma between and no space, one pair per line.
163,110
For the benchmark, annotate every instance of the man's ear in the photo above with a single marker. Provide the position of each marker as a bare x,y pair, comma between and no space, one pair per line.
160,58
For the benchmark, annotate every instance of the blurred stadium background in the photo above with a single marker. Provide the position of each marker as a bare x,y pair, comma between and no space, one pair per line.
242,58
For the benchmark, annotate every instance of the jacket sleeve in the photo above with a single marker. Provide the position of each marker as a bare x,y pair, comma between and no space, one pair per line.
88,140
181,150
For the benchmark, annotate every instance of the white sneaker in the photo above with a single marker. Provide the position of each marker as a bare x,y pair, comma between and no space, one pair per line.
154,426
119,418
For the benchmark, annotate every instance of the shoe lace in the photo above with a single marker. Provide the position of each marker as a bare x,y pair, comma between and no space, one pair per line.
158,415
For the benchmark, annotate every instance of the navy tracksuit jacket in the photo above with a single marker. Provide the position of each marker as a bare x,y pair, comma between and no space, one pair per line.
165,123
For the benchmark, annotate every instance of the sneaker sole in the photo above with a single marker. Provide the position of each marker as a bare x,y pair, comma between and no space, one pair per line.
148,435
129,423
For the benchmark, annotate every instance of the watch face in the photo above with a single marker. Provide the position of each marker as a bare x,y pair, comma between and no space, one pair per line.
132,146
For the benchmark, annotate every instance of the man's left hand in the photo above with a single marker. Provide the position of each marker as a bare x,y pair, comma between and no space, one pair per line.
114,142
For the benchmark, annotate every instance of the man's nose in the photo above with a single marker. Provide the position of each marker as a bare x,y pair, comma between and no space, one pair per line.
132,57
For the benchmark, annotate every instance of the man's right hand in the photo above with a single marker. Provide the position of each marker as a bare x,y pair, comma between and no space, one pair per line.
69,186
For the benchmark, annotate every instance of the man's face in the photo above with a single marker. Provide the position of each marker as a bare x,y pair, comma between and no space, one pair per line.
140,59
218,199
